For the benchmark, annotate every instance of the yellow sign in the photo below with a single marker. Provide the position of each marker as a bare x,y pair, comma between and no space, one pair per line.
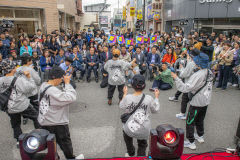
132,11
124,13
139,39
128,42
139,15
111,38
120,39
153,38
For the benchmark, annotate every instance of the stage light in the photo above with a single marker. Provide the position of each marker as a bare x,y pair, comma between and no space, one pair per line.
166,142
38,140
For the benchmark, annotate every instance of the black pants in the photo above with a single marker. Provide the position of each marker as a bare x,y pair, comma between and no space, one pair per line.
34,102
195,117
223,77
90,69
177,94
142,146
63,139
184,102
15,119
111,90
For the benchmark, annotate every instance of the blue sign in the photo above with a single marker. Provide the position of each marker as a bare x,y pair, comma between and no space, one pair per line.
150,13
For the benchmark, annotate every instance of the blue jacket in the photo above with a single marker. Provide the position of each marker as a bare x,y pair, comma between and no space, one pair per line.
79,43
77,63
6,42
89,36
103,57
54,46
43,63
23,49
157,59
95,59
4,52
58,59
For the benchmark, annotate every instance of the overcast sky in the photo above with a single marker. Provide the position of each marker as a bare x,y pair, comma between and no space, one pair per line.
114,3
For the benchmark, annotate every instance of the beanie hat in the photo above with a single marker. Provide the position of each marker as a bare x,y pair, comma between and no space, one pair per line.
201,60
138,82
56,72
8,66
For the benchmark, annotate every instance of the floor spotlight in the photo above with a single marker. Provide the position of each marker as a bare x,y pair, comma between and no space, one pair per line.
166,142
38,140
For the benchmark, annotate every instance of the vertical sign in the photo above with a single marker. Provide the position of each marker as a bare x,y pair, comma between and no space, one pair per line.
132,8
124,13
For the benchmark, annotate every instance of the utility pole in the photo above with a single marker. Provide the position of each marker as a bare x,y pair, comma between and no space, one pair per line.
99,13
144,6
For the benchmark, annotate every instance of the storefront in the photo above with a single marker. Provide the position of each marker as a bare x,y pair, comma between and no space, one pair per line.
202,15
29,19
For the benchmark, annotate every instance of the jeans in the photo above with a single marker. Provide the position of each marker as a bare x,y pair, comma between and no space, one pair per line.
90,69
142,146
63,139
111,90
79,68
223,77
161,85
15,119
195,117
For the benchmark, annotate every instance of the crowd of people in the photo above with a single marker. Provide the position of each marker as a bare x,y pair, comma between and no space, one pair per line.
38,64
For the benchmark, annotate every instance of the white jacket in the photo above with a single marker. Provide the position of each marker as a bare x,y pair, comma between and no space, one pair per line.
195,82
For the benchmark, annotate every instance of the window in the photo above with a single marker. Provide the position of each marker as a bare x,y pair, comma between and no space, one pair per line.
6,13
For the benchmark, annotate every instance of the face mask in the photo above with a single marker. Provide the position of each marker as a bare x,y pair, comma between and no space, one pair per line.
166,47
116,55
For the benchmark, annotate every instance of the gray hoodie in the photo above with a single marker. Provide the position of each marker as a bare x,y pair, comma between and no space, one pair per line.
35,76
18,101
186,72
54,106
139,125
116,71
195,82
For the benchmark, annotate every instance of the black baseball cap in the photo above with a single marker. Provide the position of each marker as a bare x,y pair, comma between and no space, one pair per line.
138,82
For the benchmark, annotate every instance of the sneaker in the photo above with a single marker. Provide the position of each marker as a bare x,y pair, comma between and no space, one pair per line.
229,84
127,155
81,156
235,85
17,145
199,139
181,116
152,89
173,99
96,79
189,145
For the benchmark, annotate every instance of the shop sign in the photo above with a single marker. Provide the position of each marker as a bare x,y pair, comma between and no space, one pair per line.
214,1
150,13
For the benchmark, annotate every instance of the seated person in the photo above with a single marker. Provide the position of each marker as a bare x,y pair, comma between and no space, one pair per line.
134,70
66,66
77,63
92,64
140,60
163,80
60,57
153,60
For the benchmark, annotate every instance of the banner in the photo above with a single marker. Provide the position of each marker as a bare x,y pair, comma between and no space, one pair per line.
129,42
124,13
132,11
146,40
139,39
112,39
153,39
120,39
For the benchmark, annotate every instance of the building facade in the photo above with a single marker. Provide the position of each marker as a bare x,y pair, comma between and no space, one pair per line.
41,14
202,15
97,15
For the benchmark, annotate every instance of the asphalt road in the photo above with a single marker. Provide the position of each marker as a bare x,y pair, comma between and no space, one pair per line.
96,130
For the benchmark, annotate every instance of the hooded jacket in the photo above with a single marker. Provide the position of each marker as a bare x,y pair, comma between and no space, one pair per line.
195,82
54,106
18,101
